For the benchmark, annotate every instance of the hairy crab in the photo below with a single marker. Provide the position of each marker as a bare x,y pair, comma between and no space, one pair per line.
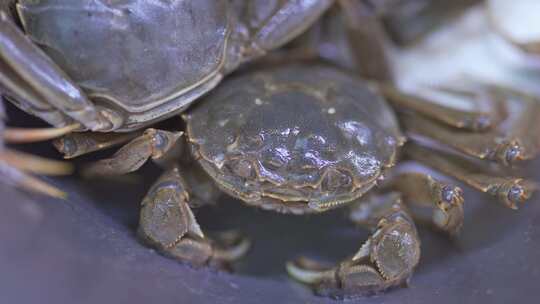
300,137
121,65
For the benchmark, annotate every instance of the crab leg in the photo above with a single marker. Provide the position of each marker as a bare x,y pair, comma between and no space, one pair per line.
24,97
35,164
44,88
485,114
25,181
366,37
480,145
24,135
289,19
524,127
517,138
509,190
13,166
386,259
77,144
421,189
153,143
167,222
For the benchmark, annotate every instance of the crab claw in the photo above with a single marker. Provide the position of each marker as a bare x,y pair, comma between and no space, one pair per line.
387,259
168,223
219,252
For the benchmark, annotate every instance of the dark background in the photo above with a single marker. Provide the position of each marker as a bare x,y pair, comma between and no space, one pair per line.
84,250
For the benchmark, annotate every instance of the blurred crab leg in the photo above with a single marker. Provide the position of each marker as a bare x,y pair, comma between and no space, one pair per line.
153,143
476,120
31,183
407,22
516,138
167,222
25,97
386,259
480,145
24,135
24,181
35,164
17,51
523,127
367,38
509,190
454,117
77,144
445,200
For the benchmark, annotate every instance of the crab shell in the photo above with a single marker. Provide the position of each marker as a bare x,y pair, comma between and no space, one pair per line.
118,55
294,139
149,60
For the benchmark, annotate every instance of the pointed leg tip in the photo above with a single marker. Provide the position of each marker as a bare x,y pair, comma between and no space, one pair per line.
231,246
449,215
308,271
452,195
516,192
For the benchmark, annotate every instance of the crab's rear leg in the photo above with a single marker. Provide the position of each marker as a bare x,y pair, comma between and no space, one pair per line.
508,189
35,84
386,259
515,138
466,109
420,189
167,222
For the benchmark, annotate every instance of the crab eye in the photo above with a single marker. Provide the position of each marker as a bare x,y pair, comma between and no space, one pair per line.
242,168
335,179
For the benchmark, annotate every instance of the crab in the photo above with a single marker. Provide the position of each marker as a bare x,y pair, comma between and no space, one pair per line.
306,138
124,65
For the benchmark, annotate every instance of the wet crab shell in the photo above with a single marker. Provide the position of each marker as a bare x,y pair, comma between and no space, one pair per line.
293,135
143,61
97,42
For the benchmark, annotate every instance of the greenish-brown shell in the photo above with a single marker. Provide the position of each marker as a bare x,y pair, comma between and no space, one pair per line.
138,55
294,135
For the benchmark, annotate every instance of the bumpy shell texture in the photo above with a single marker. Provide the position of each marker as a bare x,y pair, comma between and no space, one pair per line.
294,139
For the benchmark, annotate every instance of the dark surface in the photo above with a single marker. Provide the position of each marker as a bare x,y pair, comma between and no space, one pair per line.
84,250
